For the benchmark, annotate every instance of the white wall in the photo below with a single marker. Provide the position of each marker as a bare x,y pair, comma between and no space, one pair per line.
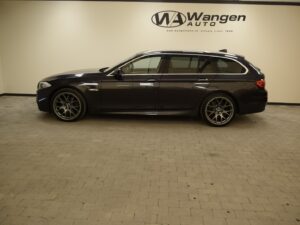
1,80
41,38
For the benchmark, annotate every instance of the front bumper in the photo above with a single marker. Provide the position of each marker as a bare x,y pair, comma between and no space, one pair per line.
43,99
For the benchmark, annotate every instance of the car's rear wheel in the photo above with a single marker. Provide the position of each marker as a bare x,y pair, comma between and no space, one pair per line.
68,105
218,109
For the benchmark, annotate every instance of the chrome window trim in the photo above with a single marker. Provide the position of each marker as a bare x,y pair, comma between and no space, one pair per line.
233,58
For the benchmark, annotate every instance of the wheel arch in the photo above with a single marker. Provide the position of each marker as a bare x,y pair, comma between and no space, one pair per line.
69,87
219,92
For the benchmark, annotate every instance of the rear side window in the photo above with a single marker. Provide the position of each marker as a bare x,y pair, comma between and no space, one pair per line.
201,64
183,64
219,65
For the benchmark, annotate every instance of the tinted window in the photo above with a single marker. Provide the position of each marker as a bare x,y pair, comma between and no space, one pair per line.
183,64
143,66
219,65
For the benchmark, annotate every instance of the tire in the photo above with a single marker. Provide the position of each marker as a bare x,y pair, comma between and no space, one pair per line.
218,109
68,105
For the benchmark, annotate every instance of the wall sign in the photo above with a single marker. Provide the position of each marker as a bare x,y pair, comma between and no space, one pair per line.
173,19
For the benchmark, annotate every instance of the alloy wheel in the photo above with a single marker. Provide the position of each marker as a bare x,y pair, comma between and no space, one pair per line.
67,106
219,110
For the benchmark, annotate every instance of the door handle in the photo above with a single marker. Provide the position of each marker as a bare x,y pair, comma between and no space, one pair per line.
151,80
147,84
203,79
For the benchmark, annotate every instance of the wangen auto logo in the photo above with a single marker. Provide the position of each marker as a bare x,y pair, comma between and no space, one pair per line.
168,19
171,19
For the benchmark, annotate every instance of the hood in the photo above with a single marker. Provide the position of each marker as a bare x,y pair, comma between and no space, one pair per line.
81,71
73,74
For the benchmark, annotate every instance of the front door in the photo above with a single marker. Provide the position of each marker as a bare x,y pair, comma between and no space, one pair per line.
136,89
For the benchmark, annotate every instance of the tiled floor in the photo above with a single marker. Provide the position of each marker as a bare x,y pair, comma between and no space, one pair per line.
110,170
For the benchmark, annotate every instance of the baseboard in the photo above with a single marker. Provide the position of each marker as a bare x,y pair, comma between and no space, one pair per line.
18,94
283,103
33,95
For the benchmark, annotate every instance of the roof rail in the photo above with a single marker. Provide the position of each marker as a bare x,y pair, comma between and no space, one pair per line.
223,50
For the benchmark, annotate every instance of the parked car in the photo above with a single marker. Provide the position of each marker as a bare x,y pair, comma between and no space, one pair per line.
214,85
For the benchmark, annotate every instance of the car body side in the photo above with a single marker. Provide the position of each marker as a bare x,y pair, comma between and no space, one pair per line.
169,94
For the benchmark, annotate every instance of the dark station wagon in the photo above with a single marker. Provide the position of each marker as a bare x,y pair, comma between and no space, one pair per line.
214,85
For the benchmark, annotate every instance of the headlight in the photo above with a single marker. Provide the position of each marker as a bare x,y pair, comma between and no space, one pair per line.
43,84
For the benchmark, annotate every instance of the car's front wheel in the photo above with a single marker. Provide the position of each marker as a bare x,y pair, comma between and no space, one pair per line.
68,105
218,109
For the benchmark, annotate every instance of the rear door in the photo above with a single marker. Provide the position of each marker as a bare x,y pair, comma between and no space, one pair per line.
182,86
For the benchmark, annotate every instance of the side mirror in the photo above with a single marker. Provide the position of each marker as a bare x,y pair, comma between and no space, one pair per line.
118,74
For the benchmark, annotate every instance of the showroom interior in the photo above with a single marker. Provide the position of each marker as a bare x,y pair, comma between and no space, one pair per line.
125,169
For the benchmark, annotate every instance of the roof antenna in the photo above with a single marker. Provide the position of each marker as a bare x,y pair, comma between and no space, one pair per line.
223,50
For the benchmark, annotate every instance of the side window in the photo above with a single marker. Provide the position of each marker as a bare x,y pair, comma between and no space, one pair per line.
183,64
229,66
208,65
143,66
219,65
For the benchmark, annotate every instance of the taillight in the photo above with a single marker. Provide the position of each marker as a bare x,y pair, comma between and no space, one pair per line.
261,83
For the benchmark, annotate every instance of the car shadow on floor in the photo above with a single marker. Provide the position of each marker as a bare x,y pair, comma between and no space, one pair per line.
240,121
144,118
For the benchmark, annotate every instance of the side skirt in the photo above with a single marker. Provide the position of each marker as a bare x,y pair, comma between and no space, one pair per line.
150,113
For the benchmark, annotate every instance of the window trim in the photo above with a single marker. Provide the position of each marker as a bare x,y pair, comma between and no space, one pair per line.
183,54
207,55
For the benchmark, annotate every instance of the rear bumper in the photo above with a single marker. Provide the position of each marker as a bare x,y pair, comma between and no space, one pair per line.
255,103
